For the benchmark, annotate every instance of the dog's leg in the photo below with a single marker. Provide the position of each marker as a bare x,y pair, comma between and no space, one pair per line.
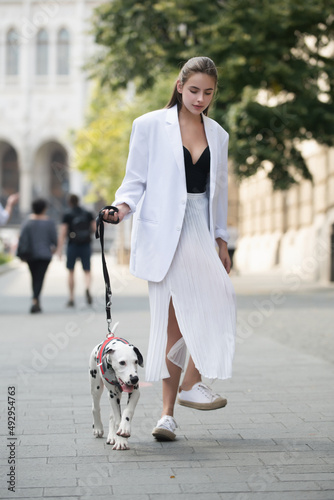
124,429
115,414
96,389
119,442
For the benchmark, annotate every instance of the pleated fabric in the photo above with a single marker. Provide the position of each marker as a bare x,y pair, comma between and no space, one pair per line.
204,302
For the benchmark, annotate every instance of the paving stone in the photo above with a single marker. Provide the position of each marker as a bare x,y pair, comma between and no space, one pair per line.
87,489
273,441
24,493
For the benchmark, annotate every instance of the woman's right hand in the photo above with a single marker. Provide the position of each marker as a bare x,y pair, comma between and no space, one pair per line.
123,210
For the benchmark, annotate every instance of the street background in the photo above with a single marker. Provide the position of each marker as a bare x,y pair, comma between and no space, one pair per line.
274,440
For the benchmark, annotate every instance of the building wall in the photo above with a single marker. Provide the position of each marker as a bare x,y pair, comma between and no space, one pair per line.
37,112
289,230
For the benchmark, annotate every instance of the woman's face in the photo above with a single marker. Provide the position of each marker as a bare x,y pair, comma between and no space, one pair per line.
197,92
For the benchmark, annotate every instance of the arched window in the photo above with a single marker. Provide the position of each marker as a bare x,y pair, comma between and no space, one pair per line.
10,172
12,53
63,52
42,53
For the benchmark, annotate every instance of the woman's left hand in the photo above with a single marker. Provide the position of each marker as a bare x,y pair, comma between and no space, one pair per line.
223,254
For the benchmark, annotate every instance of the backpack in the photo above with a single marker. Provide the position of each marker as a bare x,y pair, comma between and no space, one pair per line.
80,227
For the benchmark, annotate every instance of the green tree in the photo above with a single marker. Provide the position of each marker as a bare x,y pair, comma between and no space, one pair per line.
101,147
275,59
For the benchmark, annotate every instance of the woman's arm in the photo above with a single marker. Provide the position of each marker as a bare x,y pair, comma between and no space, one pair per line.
123,211
223,254
134,183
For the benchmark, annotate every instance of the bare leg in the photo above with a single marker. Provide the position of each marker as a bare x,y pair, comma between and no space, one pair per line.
170,385
191,377
71,283
88,279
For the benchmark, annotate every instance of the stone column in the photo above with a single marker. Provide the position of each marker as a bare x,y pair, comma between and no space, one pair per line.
25,172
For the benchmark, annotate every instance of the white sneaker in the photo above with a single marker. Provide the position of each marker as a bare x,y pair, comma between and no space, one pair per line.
164,431
201,397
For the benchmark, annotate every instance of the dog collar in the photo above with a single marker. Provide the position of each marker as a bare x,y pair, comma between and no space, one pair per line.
107,371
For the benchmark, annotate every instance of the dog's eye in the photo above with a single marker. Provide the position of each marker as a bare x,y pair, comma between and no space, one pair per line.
122,363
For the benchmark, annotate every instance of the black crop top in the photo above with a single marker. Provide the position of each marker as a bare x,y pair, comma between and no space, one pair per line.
197,174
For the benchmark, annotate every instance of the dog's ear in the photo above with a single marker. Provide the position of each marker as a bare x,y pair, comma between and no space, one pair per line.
139,356
109,351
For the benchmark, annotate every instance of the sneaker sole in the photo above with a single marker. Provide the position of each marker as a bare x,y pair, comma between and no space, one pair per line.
215,405
163,434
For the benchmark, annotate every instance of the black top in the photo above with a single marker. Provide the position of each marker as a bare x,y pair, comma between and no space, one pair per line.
41,235
197,174
79,225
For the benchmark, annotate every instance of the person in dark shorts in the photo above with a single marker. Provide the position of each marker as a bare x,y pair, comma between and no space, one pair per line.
77,226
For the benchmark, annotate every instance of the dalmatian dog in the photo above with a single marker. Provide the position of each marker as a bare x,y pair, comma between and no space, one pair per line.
114,364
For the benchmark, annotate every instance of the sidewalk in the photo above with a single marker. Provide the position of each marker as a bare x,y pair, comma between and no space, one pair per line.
273,441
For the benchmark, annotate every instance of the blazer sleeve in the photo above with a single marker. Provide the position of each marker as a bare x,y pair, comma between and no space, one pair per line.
134,182
222,193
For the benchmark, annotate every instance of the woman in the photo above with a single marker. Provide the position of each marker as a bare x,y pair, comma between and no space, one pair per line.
39,238
176,184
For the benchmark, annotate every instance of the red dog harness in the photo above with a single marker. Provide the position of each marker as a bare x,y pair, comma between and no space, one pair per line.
107,371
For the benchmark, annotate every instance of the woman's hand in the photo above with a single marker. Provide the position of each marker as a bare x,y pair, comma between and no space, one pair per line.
223,254
123,210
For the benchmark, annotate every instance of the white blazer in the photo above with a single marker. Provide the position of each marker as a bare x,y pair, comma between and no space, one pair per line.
154,187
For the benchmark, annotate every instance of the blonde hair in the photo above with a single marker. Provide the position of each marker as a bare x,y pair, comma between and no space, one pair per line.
194,65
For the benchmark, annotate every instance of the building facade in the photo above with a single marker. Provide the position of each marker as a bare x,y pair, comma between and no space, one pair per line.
44,92
292,230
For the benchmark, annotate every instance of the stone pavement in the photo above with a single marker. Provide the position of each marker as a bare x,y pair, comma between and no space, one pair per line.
273,441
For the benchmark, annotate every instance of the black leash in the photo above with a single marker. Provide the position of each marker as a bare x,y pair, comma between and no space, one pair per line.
100,234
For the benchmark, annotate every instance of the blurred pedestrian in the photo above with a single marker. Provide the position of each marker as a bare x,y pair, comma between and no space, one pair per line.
6,212
37,243
78,226
176,179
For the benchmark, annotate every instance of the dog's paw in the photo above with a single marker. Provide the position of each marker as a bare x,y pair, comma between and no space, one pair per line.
110,441
98,433
121,444
124,430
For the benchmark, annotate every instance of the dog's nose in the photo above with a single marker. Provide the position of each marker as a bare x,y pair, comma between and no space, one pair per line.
134,380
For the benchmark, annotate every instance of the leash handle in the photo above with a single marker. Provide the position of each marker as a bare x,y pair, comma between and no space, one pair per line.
99,234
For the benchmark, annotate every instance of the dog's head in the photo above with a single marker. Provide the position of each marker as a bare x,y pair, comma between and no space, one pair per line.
124,360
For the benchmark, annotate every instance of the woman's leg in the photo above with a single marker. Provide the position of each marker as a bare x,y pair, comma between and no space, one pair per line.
32,268
191,377
170,385
38,270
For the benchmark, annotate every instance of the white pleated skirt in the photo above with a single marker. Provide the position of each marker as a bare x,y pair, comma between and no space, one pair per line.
204,302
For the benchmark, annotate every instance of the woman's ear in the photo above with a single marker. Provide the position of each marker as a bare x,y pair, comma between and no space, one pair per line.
179,86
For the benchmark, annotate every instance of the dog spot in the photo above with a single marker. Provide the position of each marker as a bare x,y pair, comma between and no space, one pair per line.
118,401
135,386
111,394
127,418
93,373
98,387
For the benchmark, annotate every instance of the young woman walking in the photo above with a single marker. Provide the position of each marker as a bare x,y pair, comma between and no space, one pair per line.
39,236
176,187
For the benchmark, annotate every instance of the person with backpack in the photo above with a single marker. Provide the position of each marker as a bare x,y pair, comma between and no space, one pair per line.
77,226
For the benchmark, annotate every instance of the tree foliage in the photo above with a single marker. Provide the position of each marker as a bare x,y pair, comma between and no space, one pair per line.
102,146
275,59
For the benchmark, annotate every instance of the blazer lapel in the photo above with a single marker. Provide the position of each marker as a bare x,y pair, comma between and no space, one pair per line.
175,139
